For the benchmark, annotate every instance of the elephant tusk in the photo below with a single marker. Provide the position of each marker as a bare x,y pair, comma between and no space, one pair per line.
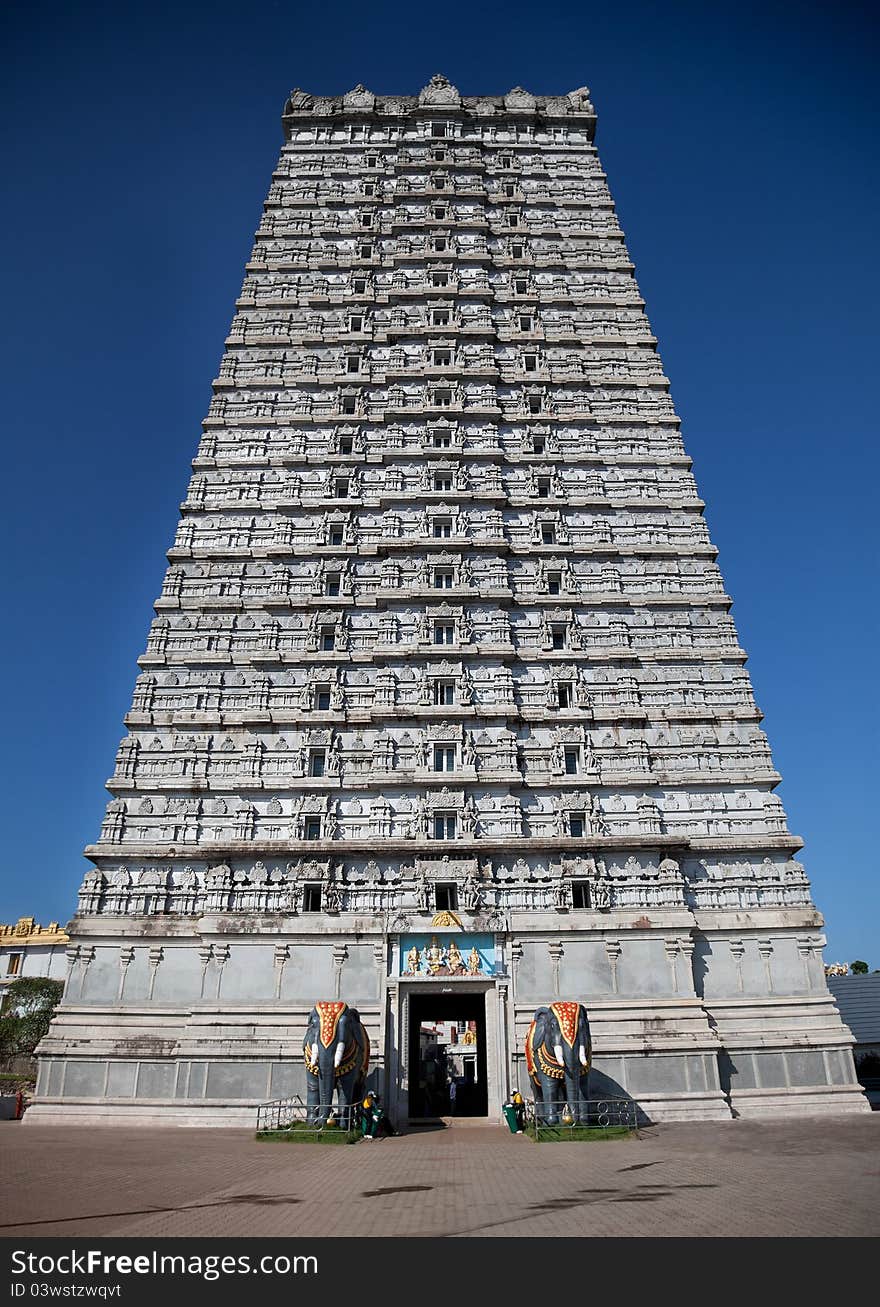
582,1054
558,1054
340,1049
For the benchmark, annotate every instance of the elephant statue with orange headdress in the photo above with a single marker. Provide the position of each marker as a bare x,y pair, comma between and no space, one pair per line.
558,1056
336,1048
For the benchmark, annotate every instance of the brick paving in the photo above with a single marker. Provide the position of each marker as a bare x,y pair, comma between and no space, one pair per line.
803,1178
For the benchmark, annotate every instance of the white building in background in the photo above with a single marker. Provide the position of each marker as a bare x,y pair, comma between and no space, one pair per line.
443,712
27,949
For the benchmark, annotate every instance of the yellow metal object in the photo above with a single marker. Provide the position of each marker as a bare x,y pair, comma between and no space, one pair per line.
447,919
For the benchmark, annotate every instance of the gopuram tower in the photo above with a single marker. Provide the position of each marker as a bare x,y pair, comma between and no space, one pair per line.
442,712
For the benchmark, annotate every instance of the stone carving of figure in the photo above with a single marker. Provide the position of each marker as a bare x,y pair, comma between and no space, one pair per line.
412,966
454,960
474,962
601,895
469,816
331,824
468,750
472,895
466,688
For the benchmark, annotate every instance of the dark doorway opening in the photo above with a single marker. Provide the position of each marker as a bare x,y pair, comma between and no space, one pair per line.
447,1045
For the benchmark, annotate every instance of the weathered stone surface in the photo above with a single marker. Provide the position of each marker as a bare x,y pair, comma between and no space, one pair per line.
442,608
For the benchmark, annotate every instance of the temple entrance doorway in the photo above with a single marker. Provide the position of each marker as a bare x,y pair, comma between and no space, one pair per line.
447,1052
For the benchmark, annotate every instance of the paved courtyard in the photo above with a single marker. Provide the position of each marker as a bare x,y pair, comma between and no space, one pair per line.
802,1178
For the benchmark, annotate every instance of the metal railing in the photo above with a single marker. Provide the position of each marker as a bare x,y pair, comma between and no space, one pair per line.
286,1115
574,1120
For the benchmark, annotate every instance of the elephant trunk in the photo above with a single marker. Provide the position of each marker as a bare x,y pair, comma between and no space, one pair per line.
572,1087
326,1085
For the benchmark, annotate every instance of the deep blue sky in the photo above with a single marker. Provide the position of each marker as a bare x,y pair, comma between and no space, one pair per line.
740,144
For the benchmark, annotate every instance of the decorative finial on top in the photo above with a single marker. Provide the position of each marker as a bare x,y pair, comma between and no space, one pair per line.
439,91
520,99
359,98
298,100
580,100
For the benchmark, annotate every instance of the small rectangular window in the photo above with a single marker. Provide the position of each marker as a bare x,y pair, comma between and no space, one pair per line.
439,212
439,155
446,895
580,892
442,440
572,761
442,358
554,583
348,404
440,317
328,638
366,251
439,278
516,251
360,286
332,586
444,578
506,161
372,160
313,831
444,633
439,129
557,634
443,398
341,488
534,403
444,757
355,323
369,188
441,244
564,694
444,826
543,487
530,362
317,760
537,444
322,698
512,220
345,447
525,324
521,286
442,528
508,189
336,536
548,534
366,219
353,363
443,481
13,964
311,896
444,693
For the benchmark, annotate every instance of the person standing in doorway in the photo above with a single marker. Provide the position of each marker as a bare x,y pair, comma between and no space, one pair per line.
453,1093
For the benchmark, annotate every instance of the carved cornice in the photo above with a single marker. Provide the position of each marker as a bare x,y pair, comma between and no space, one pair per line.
26,932
438,95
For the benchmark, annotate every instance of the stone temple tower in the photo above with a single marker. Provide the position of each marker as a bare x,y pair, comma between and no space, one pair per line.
442,712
